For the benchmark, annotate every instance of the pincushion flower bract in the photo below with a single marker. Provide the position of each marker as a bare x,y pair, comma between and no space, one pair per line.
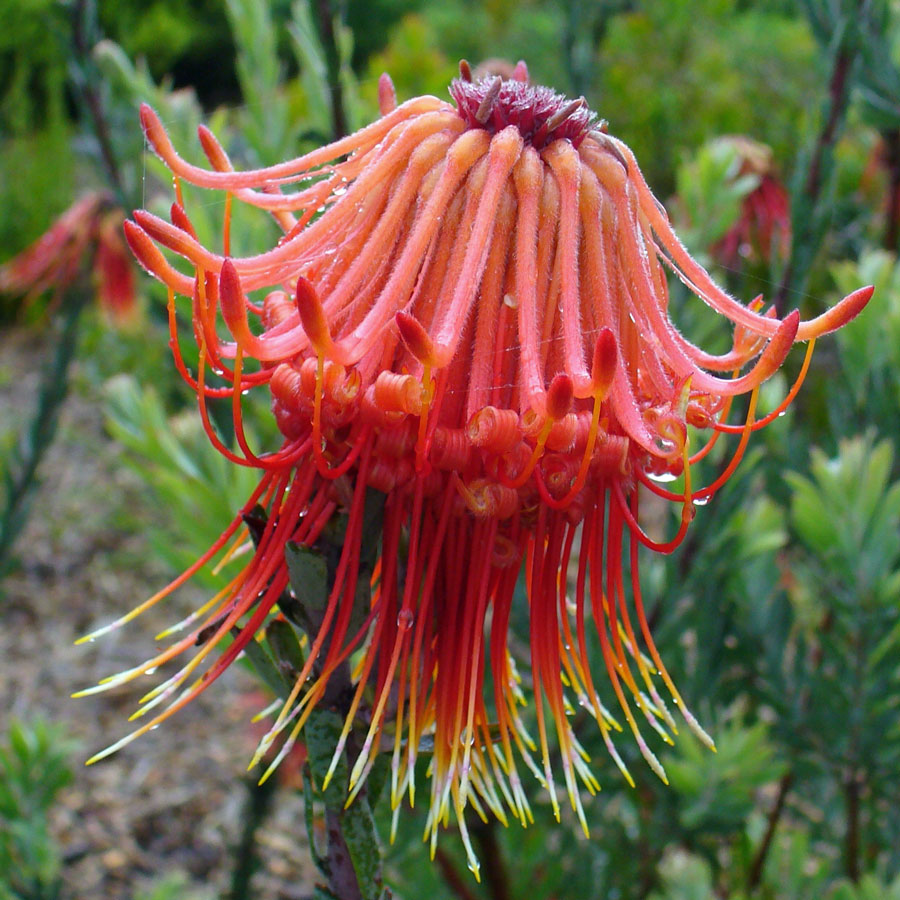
467,313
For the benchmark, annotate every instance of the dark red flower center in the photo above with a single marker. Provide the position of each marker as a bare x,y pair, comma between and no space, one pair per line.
541,115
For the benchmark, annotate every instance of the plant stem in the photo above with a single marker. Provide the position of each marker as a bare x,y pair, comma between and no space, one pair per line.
325,15
342,878
452,877
647,858
496,876
854,779
21,474
258,805
809,220
851,842
82,22
759,860
892,215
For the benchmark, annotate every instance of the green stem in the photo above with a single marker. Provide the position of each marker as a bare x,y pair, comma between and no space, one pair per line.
457,884
496,876
21,475
811,195
342,878
325,16
86,81
759,860
851,839
892,160
258,805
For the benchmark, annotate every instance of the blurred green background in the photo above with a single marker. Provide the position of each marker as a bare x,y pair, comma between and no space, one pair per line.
779,615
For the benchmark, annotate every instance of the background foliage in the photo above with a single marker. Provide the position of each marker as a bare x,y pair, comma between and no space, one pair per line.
780,612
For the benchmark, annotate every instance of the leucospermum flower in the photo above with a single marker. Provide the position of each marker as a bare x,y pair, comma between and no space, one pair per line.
91,228
763,230
467,313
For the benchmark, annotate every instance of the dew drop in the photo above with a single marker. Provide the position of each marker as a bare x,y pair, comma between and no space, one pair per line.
405,619
662,477
701,501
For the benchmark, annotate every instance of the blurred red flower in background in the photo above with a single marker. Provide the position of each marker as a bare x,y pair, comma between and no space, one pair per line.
763,230
90,230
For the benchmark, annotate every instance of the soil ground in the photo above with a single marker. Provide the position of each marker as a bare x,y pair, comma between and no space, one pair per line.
172,802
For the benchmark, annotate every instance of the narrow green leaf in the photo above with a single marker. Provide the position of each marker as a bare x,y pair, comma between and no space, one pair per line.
322,732
308,572
266,667
285,648
362,842
377,777
309,816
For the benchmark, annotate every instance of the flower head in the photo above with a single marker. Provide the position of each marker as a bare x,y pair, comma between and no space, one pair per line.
763,229
468,314
90,227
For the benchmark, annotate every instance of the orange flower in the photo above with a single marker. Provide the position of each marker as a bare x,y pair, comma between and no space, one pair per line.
468,313
91,225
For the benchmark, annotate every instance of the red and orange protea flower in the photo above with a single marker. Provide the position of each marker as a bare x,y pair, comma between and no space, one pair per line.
468,313
89,230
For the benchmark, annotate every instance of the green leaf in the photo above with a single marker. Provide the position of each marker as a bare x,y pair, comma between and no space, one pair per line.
358,828
308,572
285,648
266,667
377,777
309,817
718,789
322,732
684,877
